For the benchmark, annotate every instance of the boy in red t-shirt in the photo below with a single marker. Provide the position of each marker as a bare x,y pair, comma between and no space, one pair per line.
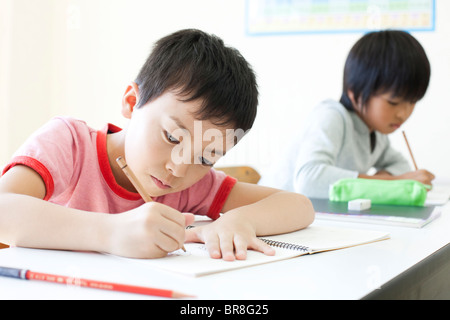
190,102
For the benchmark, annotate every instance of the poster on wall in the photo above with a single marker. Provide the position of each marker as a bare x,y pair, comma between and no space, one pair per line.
272,17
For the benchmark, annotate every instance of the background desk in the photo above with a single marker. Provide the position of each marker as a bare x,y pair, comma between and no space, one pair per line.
414,263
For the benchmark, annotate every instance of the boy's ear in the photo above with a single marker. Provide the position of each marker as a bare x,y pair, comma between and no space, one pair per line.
351,96
129,99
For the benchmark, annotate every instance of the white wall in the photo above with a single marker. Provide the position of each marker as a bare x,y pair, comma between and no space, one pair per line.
75,57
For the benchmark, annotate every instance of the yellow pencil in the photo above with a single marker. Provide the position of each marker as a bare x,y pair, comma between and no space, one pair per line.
134,180
410,152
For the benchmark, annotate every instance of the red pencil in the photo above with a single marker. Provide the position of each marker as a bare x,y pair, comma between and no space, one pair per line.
31,275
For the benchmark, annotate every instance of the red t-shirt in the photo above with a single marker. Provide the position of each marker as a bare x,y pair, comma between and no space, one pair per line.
72,160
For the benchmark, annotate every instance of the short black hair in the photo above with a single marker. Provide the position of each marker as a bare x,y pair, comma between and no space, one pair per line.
386,61
197,65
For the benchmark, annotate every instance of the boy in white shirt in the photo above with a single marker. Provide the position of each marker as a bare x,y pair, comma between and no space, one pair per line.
385,74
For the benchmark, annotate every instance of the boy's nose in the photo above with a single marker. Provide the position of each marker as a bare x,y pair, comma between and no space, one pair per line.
177,170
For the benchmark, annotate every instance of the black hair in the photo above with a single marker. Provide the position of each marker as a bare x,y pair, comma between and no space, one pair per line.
197,65
385,61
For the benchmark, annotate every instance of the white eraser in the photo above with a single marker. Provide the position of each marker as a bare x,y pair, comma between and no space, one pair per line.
359,204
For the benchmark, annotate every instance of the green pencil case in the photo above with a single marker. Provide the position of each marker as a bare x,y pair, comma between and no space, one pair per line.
390,192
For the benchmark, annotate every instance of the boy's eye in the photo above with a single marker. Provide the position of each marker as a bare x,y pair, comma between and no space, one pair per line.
206,162
170,138
393,102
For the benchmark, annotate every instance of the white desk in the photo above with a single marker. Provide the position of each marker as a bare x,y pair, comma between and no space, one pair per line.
350,273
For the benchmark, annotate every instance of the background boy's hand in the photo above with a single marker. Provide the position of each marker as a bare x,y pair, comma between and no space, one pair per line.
421,175
228,237
149,231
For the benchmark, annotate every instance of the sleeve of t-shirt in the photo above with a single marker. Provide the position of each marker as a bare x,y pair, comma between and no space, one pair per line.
48,151
208,195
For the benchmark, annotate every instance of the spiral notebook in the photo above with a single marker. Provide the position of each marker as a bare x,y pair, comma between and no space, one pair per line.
196,261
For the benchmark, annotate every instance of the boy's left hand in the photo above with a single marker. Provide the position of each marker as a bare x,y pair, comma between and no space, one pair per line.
228,237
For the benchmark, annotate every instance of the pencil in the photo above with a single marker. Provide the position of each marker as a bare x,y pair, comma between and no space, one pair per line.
410,152
94,284
134,180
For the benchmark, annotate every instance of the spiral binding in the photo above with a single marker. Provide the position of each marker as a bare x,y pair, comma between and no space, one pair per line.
286,245
278,244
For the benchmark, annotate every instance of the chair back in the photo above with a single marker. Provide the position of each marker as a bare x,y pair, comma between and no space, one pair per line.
242,173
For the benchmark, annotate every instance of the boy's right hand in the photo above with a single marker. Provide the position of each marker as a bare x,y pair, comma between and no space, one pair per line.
149,231
420,175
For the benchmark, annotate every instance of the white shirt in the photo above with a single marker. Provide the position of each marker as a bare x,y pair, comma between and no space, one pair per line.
334,144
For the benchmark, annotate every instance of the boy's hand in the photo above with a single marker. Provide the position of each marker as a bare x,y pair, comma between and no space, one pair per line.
149,231
421,175
229,237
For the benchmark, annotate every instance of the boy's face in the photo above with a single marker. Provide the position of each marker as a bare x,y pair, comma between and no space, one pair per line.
168,149
385,113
